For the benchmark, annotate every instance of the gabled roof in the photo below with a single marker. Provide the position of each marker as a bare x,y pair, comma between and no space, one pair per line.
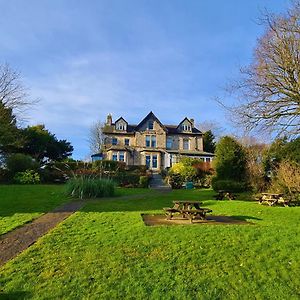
184,120
121,118
173,129
153,116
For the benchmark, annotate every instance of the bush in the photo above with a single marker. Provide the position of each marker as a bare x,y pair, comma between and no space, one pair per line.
27,177
204,181
144,181
287,180
54,176
109,165
20,163
176,181
82,187
187,172
141,169
126,179
230,185
4,176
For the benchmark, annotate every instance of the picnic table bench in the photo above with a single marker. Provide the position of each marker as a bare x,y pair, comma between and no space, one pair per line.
187,210
225,194
272,199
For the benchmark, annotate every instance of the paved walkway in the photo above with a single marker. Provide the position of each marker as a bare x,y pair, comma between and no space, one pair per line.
16,241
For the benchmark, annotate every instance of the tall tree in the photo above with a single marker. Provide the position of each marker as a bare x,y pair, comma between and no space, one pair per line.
209,144
43,145
96,137
9,133
269,88
230,161
13,94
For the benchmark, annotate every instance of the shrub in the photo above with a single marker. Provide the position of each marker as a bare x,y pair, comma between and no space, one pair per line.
141,169
54,176
287,180
4,176
109,165
230,185
19,163
204,181
27,177
144,181
82,187
126,179
187,172
176,180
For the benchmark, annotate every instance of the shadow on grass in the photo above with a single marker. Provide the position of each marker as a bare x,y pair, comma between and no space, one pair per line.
15,295
245,218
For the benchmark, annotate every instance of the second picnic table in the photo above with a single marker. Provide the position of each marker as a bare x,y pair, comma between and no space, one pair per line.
187,210
271,199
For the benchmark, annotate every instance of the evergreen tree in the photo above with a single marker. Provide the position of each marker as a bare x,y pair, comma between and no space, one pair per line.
230,162
9,133
209,144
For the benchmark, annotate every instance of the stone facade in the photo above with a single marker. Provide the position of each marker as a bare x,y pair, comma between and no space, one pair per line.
152,143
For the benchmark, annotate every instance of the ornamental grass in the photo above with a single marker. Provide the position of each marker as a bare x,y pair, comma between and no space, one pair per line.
89,187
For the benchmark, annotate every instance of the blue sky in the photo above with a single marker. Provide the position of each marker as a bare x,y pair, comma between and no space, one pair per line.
85,59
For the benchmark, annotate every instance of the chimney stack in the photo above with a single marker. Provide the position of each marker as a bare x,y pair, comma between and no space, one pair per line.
109,120
193,122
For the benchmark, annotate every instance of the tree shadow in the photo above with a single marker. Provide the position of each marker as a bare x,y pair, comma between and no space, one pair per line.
245,218
15,295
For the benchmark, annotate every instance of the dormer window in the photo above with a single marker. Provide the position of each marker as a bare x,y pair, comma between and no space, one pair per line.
186,127
150,125
121,126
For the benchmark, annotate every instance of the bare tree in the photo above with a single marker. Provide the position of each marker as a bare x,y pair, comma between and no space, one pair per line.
269,88
96,137
212,126
13,94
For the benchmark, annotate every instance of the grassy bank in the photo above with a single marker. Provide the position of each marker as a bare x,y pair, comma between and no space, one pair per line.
106,252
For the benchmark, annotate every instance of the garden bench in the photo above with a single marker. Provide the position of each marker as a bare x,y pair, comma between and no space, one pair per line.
225,194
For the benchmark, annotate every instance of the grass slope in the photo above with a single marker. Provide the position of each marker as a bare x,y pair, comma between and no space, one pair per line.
20,204
106,252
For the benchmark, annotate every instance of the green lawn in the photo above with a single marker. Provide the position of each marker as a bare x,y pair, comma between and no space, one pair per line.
106,252
20,204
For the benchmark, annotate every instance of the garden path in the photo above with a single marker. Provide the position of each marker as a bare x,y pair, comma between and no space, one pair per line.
18,240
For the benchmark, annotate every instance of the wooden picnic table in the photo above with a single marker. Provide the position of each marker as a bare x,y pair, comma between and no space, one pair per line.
187,210
225,194
272,199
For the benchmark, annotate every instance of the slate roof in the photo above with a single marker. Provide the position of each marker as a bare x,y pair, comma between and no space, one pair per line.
132,128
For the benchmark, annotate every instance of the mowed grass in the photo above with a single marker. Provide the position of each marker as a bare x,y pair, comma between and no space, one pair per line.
106,252
20,204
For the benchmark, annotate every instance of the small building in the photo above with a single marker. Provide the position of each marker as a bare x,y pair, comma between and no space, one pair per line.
152,143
